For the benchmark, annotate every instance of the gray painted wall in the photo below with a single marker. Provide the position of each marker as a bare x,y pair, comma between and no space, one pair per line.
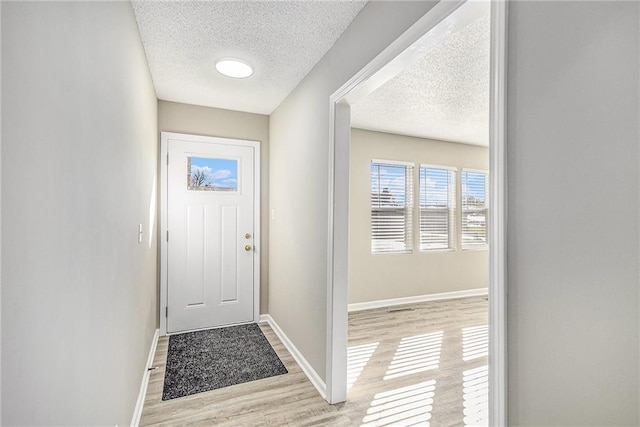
573,213
197,120
79,158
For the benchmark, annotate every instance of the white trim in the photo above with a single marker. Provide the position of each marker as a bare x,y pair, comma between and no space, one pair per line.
311,374
484,171
393,162
431,166
164,152
359,86
382,68
137,411
359,306
257,243
164,140
1,400
337,250
210,328
498,410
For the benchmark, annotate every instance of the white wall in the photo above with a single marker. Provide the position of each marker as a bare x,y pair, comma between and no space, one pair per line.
299,134
79,158
573,213
198,120
387,276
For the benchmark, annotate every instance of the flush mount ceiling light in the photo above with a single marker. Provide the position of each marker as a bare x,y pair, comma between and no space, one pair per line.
232,67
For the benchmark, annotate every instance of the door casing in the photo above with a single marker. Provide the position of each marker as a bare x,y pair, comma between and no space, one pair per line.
361,84
162,235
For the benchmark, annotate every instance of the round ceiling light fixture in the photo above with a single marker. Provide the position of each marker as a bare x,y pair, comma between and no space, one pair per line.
232,67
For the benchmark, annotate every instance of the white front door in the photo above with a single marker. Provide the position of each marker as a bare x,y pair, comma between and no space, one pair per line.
210,224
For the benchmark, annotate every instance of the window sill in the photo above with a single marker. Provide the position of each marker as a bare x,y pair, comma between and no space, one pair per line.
392,253
478,248
430,251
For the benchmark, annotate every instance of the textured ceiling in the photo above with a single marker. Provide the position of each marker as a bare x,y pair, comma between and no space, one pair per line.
283,40
444,95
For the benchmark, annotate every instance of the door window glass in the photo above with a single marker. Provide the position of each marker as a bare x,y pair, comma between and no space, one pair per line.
211,174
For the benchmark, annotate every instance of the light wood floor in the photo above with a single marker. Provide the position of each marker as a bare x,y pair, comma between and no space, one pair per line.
419,364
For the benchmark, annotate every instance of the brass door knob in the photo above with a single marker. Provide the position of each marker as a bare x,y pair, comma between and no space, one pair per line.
248,248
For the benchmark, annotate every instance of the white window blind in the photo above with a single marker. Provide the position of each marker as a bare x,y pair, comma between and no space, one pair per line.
391,207
437,208
475,189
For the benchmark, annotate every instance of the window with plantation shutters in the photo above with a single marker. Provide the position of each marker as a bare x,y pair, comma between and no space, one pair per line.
391,207
437,208
475,188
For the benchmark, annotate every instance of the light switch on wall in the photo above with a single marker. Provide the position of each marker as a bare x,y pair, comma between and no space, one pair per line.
139,233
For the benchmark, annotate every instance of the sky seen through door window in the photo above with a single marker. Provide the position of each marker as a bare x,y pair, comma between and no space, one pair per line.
211,174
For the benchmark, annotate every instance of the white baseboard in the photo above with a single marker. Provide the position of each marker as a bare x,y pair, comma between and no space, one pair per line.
298,357
358,306
137,412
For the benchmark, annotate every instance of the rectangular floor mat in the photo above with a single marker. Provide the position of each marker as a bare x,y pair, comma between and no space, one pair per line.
207,360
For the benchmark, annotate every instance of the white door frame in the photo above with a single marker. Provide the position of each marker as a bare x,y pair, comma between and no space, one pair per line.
164,155
339,136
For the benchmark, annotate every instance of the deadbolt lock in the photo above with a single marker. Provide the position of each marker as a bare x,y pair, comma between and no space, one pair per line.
247,236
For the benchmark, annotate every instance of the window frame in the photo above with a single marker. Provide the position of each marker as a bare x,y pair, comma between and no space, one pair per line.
476,246
452,211
409,206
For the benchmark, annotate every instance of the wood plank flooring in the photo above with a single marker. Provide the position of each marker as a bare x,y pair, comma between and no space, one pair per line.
418,364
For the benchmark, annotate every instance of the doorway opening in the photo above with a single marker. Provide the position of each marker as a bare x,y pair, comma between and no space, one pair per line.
423,37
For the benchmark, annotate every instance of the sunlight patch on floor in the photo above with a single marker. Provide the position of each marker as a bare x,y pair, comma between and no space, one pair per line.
415,354
475,342
357,358
475,395
405,406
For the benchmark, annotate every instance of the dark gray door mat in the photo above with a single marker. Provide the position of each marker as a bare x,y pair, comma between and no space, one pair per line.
208,360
